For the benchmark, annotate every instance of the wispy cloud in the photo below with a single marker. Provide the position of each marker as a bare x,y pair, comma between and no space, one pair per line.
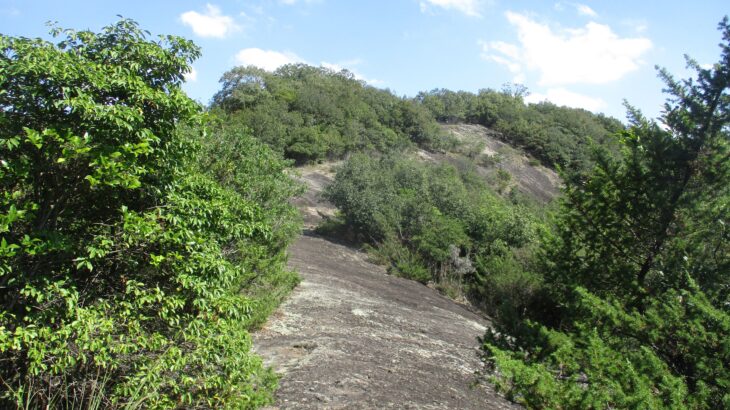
561,96
580,8
212,23
638,25
269,60
10,11
469,7
592,54
584,10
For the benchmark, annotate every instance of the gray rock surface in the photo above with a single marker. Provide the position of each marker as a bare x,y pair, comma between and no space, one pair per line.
528,176
351,336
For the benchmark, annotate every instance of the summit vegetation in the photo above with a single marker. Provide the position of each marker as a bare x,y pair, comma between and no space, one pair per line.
311,114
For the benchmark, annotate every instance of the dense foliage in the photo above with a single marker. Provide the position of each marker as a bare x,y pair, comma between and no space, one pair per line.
134,255
555,135
312,114
437,223
637,270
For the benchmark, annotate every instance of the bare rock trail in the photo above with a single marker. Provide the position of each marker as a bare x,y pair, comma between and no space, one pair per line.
351,336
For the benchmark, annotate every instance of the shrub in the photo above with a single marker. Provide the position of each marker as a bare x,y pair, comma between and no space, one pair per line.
432,222
126,269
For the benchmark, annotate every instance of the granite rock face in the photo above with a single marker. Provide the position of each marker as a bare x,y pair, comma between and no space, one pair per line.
351,336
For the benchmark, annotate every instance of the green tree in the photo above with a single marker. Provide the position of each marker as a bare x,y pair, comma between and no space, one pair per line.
312,114
124,266
638,268
627,228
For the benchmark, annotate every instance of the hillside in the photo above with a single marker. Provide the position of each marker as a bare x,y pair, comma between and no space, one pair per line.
552,134
526,174
149,246
351,336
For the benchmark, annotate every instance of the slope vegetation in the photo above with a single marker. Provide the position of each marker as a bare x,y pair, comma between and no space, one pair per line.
351,336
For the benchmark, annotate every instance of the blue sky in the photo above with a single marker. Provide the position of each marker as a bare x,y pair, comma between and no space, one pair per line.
589,54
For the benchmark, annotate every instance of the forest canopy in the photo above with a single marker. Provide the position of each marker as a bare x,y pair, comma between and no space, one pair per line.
312,114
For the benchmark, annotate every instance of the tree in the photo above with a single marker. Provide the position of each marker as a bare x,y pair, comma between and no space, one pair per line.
313,113
123,264
638,268
627,229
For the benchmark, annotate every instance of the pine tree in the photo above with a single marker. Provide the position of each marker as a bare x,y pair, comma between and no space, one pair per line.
628,229
638,269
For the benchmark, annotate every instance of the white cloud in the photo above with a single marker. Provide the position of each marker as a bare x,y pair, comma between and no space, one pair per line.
468,7
509,50
348,66
592,54
269,60
514,68
584,10
510,56
192,76
210,24
638,25
561,96
581,9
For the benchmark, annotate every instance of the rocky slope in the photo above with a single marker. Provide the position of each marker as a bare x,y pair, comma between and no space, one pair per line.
351,336
526,174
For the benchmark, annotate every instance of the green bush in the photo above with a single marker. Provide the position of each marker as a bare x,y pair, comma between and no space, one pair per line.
506,289
129,272
672,355
431,222
312,114
401,261
635,277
